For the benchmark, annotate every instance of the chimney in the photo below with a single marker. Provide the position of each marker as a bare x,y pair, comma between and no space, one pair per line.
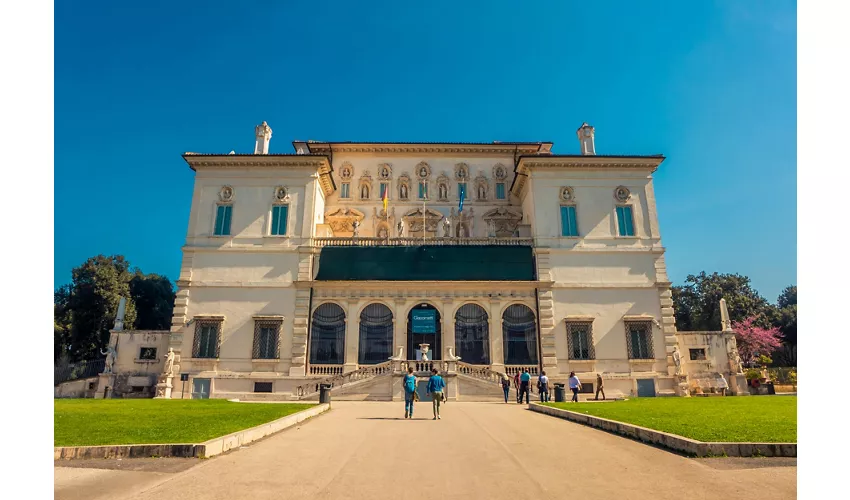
585,138
264,134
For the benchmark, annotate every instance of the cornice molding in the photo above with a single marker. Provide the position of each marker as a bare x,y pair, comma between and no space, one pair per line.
589,162
315,161
427,149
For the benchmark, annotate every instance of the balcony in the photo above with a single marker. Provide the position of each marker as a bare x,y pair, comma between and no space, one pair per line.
370,241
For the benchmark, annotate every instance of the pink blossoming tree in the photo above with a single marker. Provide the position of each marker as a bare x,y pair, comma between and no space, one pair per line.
754,341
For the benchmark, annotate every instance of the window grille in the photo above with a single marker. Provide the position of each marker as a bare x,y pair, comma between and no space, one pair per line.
266,339
639,339
580,340
207,338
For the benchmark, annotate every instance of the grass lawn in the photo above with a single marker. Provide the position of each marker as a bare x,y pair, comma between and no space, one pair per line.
764,419
91,422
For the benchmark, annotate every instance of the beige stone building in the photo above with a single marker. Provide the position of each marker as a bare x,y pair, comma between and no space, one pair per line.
344,263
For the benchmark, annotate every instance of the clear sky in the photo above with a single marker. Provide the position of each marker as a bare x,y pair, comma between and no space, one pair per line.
711,85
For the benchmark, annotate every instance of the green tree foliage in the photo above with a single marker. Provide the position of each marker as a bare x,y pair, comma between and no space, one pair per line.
697,302
697,307
153,296
84,310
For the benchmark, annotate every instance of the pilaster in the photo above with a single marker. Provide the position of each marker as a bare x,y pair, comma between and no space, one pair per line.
497,348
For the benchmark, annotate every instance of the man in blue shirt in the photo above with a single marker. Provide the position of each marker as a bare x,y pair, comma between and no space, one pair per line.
409,390
523,387
435,388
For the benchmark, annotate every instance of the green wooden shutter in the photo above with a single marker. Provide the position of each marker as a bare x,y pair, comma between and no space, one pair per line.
279,217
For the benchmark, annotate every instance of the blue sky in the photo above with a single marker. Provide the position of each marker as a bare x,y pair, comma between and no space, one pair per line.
711,85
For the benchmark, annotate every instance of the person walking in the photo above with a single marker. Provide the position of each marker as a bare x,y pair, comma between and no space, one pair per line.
599,387
543,387
575,386
524,380
435,388
516,385
409,392
506,386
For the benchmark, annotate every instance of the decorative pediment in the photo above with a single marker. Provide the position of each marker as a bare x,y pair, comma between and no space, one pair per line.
423,171
414,220
500,172
462,223
346,170
385,171
462,172
342,220
502,222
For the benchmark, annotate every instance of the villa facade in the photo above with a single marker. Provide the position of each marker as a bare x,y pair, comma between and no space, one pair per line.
343,262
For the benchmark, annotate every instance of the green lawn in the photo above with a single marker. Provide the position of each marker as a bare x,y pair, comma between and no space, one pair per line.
764,419
91,422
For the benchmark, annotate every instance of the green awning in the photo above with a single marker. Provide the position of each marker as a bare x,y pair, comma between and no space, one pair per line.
427,263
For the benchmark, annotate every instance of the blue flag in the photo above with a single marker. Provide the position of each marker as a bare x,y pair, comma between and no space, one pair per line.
462,195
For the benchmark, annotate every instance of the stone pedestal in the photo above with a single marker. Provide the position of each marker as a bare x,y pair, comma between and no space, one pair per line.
163,387
738,385
682,388
105,386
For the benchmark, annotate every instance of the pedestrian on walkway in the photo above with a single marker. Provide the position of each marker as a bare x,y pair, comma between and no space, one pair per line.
543,387
524,380
409,392
516,386
435,388
599,387
575,386
506,386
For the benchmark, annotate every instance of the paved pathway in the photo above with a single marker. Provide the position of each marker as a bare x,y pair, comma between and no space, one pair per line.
363,450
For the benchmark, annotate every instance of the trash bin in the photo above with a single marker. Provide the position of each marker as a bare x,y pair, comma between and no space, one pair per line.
560,393
325,393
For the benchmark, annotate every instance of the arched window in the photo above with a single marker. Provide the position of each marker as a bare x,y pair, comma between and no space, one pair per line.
472,334
327,335
376,334
519,329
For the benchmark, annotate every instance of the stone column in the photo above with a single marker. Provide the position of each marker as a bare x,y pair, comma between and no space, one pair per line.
352,337
400,327
448,328
497,349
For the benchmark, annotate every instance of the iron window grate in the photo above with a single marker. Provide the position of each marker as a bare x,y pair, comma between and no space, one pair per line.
580,340
207,338
266,339
639,339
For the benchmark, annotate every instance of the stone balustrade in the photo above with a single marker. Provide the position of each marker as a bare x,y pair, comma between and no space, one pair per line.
325,369
370,241
512,370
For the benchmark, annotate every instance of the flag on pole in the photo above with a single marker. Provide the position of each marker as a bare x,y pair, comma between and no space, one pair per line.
462,195
385,196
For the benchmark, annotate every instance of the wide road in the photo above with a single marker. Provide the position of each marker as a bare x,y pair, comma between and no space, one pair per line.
365,450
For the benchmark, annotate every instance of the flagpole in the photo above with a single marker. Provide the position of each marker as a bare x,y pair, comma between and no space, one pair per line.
424,199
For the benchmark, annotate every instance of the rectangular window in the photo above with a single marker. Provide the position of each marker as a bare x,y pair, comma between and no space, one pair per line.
639,339
568,221
266,336
423,190
625,222
697,354
262,387
580,340
147,353
279,216
461,190
222,220
207,335
384,187
344,190
500,190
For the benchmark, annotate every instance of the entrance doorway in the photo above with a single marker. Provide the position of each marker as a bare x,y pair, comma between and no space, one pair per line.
424,327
